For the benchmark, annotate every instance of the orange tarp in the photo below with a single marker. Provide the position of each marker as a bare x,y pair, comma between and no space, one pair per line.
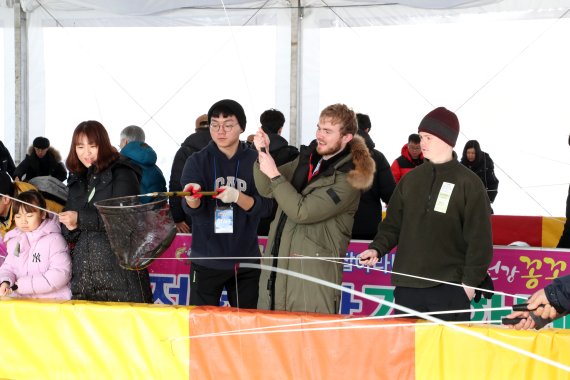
328,352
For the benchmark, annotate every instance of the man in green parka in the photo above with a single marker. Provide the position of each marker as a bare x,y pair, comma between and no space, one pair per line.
317,195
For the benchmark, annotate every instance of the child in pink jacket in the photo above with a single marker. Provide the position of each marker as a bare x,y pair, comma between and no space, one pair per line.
38,264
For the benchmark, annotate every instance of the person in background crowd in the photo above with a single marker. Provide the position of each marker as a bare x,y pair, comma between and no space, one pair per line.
482,165
6,161
564,241
411,157
224,225
38,264
317,194
98,172
133,146
369,213
41,160
193,143
272,122
549,303
440,219
249,140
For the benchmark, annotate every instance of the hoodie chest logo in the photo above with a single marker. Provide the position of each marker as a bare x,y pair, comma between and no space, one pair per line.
237,183
36,258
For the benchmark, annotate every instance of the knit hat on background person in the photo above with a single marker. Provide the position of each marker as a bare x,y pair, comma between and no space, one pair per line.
41,143
202,121
442,123
233,107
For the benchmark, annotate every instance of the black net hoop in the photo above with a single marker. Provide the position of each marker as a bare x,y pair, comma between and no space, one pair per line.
139,228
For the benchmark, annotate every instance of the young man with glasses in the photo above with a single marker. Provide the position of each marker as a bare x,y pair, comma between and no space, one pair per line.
317,196
224,225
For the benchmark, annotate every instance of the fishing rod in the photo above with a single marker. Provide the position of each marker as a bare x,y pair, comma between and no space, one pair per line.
179,193
30,204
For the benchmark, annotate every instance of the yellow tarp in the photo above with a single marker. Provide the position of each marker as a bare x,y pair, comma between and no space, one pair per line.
88,340
444,353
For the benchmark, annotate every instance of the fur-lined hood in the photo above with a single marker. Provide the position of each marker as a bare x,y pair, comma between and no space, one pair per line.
362,175
51,150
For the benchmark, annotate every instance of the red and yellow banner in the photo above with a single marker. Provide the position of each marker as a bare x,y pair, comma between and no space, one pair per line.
88,340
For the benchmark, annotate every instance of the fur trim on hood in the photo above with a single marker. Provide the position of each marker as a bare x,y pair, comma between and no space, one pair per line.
362,176
54,152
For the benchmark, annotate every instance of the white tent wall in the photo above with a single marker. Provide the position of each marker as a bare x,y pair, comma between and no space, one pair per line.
503,76
160,78
7,78
501,65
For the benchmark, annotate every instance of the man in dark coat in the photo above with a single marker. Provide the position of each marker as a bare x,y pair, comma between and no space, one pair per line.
193,143
565,238
272,122
6,161
550,303
41,160
369,213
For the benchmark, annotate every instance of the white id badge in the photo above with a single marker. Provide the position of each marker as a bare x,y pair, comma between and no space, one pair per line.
224,220
443,197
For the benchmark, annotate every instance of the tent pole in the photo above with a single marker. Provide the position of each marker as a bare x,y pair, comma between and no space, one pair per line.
21,82
295,89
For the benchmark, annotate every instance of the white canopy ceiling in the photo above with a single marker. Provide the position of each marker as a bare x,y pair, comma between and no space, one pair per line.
501,65
353,13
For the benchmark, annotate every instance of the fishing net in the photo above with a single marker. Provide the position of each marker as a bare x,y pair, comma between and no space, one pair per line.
139,228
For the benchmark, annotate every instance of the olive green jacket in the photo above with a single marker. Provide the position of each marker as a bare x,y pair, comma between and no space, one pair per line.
315,222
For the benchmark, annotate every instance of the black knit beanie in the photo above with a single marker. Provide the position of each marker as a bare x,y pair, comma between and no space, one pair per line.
442,123
233,107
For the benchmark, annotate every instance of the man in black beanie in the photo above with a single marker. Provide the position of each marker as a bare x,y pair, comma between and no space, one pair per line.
224,225
440,218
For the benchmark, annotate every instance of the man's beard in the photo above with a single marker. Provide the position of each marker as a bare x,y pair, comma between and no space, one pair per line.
328,149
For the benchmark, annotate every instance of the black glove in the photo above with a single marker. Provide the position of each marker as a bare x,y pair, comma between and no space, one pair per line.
487,283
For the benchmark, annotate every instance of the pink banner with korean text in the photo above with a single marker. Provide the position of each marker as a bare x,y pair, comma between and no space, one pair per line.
515,271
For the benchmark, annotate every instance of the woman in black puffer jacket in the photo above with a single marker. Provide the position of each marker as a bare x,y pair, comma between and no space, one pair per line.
98,172
482,164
